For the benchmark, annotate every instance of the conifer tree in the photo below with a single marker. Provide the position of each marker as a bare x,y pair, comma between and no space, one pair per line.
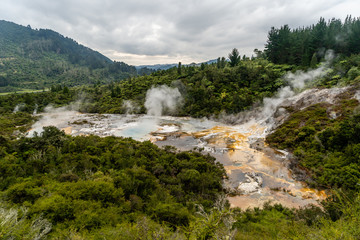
234,57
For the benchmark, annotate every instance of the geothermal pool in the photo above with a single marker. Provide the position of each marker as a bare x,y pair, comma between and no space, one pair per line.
255,176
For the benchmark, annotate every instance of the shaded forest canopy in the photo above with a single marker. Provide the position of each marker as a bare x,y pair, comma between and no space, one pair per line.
306,46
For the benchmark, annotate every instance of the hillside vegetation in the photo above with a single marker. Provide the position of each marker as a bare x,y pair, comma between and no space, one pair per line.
38,59
207,91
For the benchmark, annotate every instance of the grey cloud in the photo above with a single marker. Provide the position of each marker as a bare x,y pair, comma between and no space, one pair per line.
164,31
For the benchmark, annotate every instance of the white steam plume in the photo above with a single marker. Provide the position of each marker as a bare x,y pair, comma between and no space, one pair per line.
162,99
35,109
130,107
299,79
271,104
57,117
357,95
297,82
19,107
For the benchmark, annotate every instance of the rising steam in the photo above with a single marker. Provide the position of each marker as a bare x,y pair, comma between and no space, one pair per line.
300,79
297,82
130,107
19,107
162,99
57,117
357,95
35,109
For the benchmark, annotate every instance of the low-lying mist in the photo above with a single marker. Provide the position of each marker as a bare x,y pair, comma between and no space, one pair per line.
54,117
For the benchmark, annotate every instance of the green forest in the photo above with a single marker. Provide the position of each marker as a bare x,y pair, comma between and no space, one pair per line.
57,186
306,46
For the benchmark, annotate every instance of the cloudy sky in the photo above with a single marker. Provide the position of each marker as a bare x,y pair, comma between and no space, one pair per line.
168,31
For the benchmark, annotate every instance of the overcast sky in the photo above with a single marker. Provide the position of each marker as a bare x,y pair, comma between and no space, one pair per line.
168,31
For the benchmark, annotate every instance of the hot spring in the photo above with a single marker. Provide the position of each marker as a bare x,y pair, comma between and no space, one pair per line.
255,176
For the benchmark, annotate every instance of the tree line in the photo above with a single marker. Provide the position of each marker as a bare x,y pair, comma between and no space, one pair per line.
306,46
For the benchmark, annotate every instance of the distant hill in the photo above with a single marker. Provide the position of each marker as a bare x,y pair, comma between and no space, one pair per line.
171,65
36,59
158,66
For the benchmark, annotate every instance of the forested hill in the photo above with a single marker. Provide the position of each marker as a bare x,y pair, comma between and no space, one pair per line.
33,43
36,59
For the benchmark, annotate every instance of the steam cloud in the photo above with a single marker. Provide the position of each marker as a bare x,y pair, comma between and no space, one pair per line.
357,95
130,107
57,117
35,109
297,81
19,107
162,99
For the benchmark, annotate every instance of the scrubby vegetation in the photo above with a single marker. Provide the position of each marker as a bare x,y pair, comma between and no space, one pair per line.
87,183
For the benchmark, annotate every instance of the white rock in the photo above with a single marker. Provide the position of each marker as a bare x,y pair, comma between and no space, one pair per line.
252,183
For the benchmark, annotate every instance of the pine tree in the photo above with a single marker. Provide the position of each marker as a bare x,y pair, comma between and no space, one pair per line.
234,57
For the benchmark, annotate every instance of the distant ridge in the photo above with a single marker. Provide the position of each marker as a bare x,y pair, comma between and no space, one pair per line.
171,65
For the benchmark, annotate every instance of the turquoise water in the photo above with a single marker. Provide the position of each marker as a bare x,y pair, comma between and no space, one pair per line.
139,130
